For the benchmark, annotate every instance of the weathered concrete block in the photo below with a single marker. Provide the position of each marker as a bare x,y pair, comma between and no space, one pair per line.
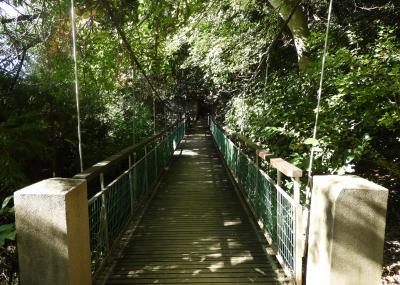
53,233
347,229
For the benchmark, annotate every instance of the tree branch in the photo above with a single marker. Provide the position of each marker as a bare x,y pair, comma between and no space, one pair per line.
20,18
20,64
275,40
134,59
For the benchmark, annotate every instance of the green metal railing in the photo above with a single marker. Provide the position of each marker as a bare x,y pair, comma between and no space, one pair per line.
111,209
278,214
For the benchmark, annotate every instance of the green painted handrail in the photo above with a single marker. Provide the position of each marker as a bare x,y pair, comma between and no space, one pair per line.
278,213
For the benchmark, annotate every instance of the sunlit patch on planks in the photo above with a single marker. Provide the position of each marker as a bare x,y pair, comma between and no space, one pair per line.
195,230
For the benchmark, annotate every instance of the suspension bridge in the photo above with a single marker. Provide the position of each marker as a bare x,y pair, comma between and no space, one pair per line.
189,221
195,229
191,205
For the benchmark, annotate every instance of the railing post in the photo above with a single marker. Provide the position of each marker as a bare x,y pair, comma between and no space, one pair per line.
299,231
103,213
146,172
257,179
278,177
155,160
52,225
347,231
299,244
135,186
296,189
131,183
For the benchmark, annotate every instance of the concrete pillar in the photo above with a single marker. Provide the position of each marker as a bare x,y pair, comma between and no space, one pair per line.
53,233
347,229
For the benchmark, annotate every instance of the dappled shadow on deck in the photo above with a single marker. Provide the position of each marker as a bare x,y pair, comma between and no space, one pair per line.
195,230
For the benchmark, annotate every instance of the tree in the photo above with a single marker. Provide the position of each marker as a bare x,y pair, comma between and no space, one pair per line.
298,27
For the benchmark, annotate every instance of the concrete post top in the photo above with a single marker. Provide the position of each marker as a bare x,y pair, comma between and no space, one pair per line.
52,226
347,231
338,183
52,186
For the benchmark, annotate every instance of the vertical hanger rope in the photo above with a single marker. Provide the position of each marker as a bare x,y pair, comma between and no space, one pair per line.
78,113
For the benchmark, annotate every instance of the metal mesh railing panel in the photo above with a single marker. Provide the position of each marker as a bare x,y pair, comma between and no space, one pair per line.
98,246
151,166
139,178
118,204
273,207
111,209
232,153
161,157
286,230
267,204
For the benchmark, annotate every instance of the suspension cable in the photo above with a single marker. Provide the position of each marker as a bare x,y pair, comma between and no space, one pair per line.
309,182
321,81
78,113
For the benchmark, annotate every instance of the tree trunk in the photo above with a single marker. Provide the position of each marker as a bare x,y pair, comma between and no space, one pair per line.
17,74
298,27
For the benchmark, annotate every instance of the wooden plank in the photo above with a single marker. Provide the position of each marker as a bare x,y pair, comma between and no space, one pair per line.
193,274
263,154
190,273
191,282
205,272
286,168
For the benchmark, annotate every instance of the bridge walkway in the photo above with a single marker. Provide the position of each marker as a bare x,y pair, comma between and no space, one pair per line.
195,229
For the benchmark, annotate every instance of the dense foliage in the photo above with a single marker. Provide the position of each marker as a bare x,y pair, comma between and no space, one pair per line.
239,56
38,113
273,103
359,113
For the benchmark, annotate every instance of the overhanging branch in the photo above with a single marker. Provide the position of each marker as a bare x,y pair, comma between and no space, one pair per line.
132,56
21,18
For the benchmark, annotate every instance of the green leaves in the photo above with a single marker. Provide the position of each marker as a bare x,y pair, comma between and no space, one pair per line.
4,207
204,50
226,40
359,108
7,232
311,141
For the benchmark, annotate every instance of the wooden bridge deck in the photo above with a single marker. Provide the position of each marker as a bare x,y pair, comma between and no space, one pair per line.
195,230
